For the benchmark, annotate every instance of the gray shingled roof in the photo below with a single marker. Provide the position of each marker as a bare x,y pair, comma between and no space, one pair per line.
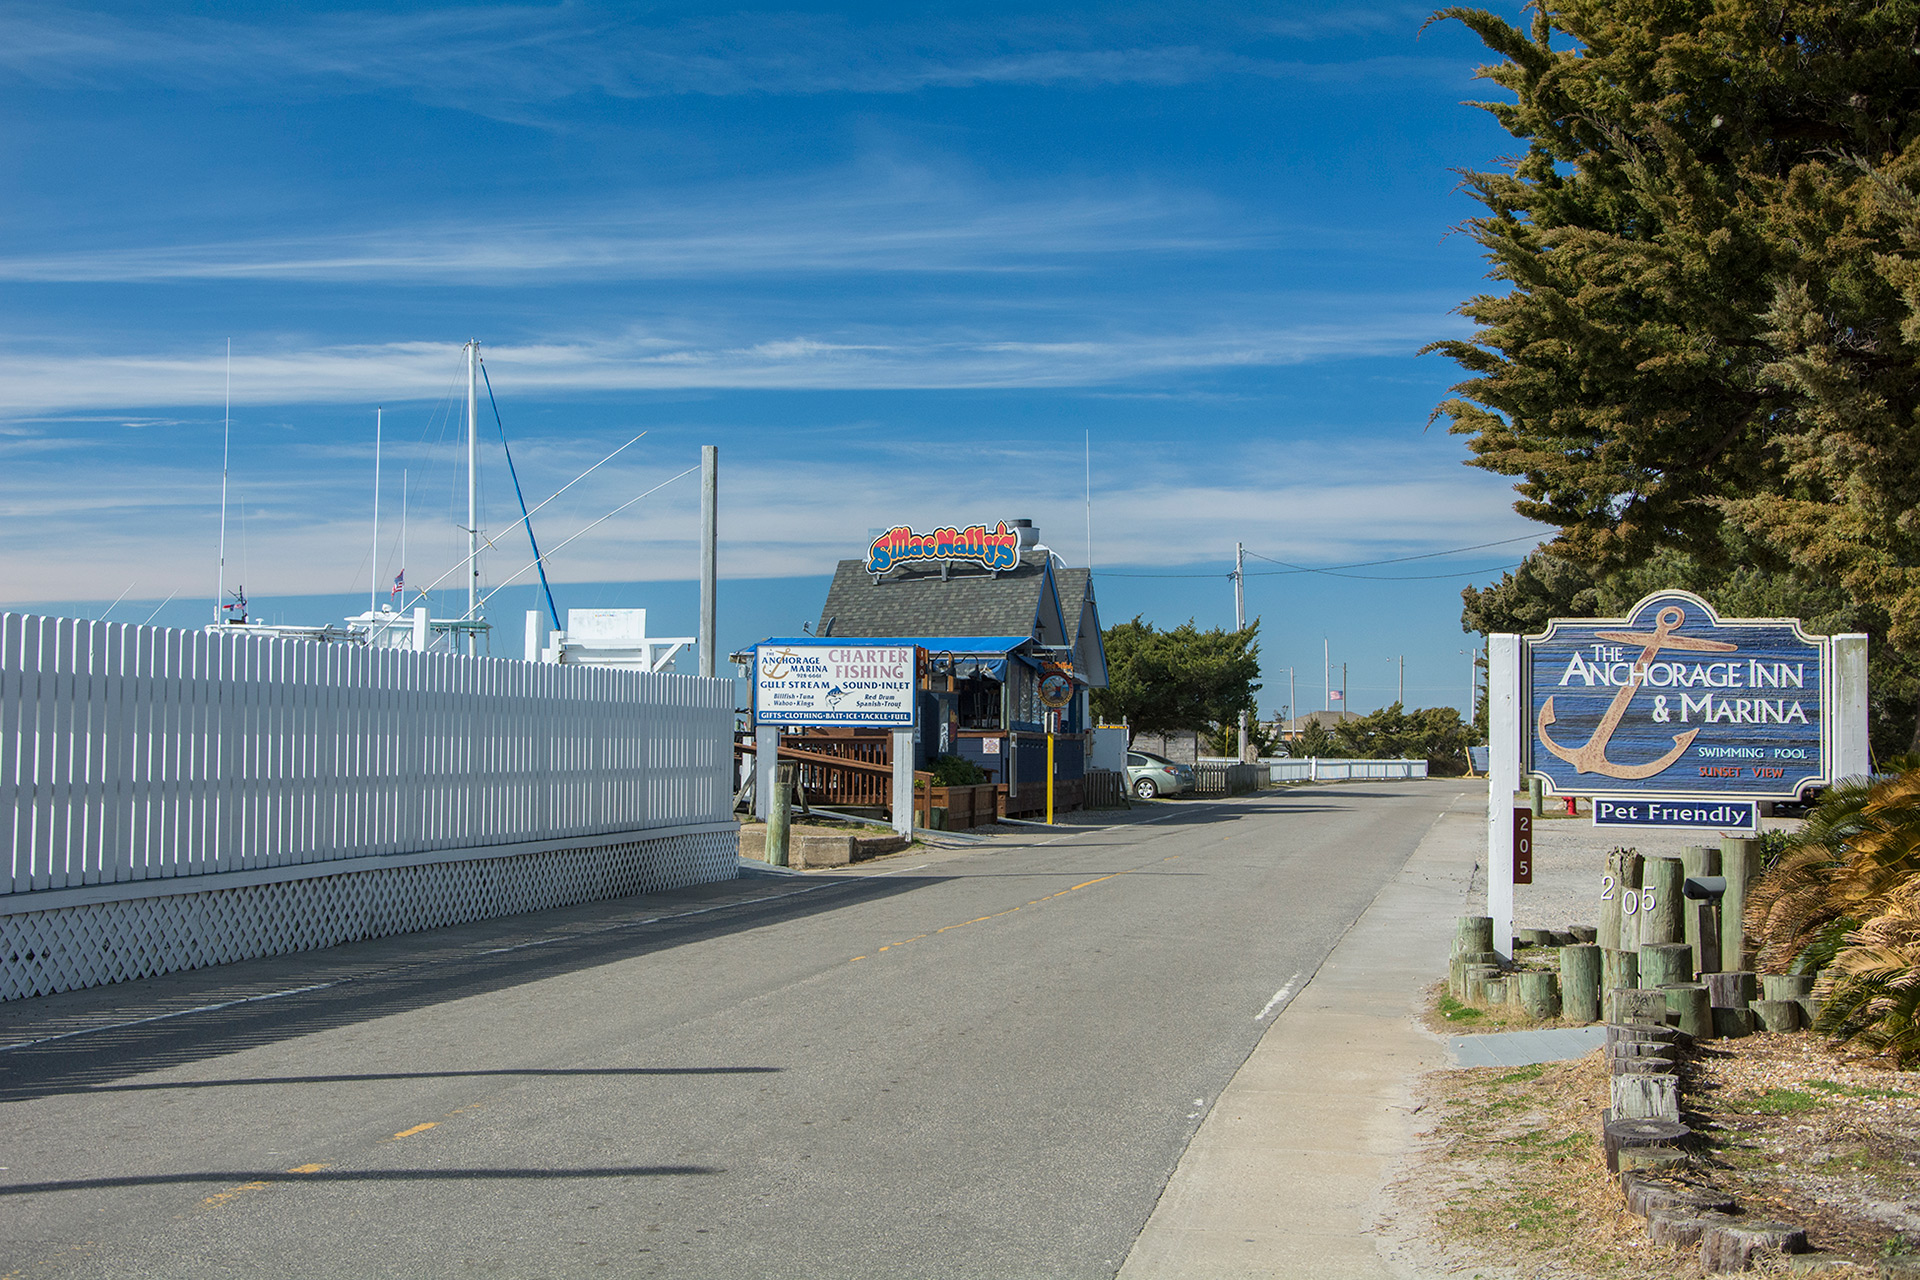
915,602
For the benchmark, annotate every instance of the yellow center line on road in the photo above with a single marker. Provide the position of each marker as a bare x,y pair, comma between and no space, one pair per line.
999,915
219,1198
419,1128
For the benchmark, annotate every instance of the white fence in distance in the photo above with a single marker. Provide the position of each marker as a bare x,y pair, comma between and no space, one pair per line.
1315,769
131,753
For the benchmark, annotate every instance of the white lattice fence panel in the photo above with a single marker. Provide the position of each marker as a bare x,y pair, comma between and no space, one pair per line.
67,948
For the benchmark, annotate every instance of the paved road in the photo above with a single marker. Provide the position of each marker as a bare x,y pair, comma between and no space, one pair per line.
975,1062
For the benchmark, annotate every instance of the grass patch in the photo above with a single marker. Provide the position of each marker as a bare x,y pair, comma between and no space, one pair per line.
1777,1102
1854,1090
1523,1074
1453,1011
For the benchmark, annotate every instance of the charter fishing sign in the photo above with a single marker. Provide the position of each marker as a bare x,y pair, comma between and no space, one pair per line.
826,684
1673,701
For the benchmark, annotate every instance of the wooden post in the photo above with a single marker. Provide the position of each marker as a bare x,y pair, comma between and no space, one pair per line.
1703,934
1621,1136
1662,963
1739,863
1580,982
1537,796
1660,900
1645,1097
1622,876
1730,990
1734,1244
1688,1009
1731,1024
1471,934
1797,987
1539,994
1618,969
1630,1004
1698,860
780,814
1777,1015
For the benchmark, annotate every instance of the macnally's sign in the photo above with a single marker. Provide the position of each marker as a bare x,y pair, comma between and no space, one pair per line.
1674,701
834,684
997,548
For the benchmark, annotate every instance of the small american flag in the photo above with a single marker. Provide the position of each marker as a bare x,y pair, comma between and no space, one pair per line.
399,584
1338,695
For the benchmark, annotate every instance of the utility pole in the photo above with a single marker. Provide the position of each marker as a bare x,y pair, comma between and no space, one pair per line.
1326,656
1402,698
1343,691
709,547
1240,620
1473,684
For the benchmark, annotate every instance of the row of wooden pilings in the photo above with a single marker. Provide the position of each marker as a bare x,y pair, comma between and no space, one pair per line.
1653,968
1655,948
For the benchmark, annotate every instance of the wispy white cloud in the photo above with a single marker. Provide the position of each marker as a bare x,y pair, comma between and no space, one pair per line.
492,58
872,218
1155,507
51,381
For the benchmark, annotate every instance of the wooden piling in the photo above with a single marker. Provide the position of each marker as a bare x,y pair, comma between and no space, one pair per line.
1622,876
1739,863
1580,982
1537,992
1660,915
1730,990
1472,934
1687,1009
1662,963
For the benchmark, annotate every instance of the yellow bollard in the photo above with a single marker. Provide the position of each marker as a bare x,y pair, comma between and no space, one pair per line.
1049,779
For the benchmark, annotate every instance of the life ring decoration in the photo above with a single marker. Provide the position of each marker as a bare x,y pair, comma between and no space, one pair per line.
1056,691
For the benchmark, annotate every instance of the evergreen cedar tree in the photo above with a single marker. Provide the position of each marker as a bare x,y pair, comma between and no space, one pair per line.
1184,678
1702,367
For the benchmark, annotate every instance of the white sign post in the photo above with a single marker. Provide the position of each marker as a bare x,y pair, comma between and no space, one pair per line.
1503,779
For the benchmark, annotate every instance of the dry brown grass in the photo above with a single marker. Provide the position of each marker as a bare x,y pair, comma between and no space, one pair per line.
1511,1181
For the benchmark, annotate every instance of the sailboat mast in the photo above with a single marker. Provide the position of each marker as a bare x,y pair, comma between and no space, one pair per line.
373,571
473,453
226,439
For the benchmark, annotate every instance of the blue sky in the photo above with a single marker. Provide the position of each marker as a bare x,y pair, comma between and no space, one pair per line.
901,266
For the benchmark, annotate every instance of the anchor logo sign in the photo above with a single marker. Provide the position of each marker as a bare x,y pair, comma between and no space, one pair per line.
1591,756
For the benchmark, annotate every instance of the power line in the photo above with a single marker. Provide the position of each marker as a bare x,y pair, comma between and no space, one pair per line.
1368,564
1336,570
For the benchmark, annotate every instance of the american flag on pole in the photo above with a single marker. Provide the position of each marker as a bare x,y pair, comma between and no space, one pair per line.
1338,695
399,584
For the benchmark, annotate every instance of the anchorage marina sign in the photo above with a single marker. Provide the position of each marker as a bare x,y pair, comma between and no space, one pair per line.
1672,701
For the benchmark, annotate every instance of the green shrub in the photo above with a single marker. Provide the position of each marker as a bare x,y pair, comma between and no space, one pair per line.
957,771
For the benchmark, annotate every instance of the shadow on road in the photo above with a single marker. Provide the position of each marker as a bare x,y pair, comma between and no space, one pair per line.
369,1077
85,1060
257,1177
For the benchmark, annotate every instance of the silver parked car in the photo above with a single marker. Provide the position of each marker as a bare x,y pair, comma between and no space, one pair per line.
1150,775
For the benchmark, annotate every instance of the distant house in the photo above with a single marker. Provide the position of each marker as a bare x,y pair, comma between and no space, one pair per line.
1179,745
1328,720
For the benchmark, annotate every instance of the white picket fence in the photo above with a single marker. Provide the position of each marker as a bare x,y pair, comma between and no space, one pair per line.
176,798
134,753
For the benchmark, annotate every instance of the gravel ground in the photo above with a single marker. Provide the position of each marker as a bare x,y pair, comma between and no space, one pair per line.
1570,856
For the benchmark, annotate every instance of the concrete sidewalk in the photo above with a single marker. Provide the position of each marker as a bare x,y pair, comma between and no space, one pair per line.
1285,1174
